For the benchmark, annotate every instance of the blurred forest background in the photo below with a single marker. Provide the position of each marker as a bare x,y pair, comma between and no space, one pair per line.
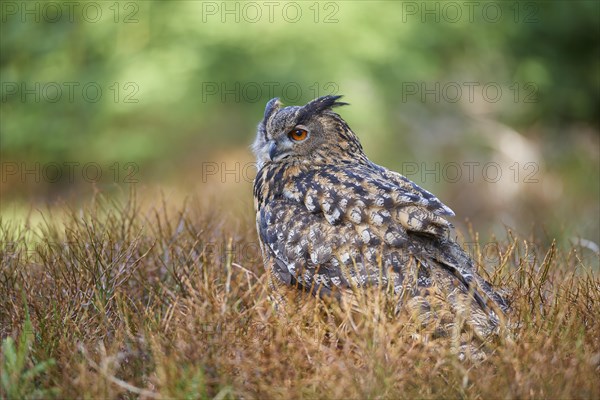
492,106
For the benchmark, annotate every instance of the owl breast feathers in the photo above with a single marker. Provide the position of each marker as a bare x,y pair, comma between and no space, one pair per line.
328,219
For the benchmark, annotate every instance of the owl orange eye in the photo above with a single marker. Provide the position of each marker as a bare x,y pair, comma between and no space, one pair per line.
298,135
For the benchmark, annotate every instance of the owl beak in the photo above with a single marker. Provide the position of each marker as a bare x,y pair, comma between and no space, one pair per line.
272,150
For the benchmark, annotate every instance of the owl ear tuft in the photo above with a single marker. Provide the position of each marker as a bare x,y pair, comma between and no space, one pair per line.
319,105
272,106
325,102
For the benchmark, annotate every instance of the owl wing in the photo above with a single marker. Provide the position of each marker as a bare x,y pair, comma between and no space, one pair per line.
441,249
337,224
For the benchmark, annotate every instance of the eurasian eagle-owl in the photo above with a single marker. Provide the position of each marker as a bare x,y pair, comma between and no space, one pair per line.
328,219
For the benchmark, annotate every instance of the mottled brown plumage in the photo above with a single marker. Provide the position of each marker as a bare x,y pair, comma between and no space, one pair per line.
329,220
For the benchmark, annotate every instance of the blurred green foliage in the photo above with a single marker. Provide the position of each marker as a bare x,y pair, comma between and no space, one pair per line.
183,82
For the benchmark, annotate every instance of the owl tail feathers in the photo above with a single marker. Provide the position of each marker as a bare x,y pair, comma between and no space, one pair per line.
466,291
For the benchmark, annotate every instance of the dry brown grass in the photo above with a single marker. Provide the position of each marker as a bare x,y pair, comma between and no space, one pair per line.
129,302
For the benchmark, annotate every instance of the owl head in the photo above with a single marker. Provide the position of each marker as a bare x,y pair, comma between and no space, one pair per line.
308,134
